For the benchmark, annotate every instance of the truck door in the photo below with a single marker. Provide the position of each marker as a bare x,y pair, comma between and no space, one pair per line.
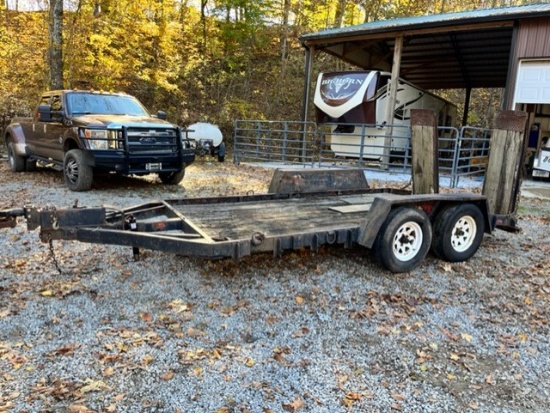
55,129
46,137
35,130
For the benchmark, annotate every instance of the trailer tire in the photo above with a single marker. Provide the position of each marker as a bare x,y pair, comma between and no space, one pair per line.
458,232
172,178
404,239
16,162
77,173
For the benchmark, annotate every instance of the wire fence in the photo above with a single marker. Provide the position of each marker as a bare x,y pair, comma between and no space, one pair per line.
462,152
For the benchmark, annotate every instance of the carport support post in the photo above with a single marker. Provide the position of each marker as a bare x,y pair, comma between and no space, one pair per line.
310,52
503,177
390,109
425,151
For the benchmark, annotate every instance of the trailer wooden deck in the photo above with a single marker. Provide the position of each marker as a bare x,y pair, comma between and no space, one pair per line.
275,218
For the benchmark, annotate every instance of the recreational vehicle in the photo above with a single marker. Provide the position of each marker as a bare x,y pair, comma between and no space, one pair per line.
355,105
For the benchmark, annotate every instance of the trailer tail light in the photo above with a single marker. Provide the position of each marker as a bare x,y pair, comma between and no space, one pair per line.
427,208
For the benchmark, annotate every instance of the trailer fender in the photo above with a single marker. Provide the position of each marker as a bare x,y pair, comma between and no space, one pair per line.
14,133
378,213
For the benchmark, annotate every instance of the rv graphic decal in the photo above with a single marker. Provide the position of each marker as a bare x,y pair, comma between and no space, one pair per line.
338,89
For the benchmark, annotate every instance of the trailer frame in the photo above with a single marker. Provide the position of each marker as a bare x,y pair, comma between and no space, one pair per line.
197,227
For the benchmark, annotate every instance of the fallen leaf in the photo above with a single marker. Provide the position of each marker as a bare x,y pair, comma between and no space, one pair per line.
78,408
466,337
94,386
169,375
294,406
399,397
147,317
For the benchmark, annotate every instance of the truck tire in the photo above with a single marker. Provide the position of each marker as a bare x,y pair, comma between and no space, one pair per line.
16,162
458,232
404,239
172,178
78,175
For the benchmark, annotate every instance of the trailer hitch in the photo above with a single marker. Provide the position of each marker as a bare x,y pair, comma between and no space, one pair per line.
8,217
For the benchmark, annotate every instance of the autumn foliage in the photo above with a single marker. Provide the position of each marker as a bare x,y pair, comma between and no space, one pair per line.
213,60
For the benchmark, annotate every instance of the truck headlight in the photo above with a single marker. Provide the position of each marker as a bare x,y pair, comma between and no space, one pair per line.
101,139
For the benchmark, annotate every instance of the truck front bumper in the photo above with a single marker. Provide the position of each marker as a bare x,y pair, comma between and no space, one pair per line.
120,162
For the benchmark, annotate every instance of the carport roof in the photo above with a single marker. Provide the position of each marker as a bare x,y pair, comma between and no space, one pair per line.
456,50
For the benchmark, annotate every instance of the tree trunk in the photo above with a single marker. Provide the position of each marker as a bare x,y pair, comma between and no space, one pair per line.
204,3
56,44
339,17
285,29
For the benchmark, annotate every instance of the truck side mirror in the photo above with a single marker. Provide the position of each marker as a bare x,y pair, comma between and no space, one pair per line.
161,115
45,113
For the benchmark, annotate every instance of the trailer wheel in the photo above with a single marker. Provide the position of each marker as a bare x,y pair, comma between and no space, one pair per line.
172,178
16,162
78,175
404,239
458,232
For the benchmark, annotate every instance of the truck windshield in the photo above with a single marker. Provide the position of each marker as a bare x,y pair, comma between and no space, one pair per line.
97,104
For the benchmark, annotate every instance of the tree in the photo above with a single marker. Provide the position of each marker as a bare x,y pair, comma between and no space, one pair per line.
56,44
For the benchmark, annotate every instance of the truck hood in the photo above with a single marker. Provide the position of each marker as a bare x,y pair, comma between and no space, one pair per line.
118,121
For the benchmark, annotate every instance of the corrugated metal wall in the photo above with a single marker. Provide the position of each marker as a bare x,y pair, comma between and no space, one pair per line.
532,42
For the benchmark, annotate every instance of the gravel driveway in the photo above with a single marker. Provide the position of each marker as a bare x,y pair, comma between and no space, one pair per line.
309,332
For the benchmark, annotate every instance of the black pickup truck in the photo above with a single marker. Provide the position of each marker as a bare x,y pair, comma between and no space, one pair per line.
85,131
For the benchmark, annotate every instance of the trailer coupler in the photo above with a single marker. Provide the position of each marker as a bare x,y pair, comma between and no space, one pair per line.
8,217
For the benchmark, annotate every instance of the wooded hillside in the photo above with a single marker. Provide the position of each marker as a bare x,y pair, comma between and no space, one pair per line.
207,60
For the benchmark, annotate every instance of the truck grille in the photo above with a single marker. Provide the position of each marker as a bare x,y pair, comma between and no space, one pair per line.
150,141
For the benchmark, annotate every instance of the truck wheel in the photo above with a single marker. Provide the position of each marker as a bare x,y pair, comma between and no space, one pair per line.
404,239
172,178
16,162
458,232
78,175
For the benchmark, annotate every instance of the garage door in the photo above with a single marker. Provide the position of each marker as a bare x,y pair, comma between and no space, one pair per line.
533,82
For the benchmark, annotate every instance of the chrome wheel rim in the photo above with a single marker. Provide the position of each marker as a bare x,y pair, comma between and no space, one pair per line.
71,171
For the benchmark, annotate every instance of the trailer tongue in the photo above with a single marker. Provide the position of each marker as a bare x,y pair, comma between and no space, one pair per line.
395,223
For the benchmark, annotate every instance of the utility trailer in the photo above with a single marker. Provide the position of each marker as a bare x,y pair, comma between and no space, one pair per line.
400,227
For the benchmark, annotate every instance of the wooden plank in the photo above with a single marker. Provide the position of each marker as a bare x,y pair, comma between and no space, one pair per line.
273,218
390,108
502,179
425,173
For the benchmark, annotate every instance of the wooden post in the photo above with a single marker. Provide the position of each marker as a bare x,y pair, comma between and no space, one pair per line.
392,97
425,151
503,177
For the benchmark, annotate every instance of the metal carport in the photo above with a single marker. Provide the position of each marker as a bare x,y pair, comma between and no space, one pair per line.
464,50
